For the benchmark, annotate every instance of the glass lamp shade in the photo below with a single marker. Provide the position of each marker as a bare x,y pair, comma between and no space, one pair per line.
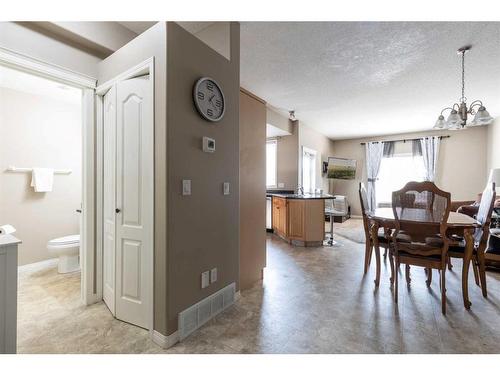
454,120
482,117
440,123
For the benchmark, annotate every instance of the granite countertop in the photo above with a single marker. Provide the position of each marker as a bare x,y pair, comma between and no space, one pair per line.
300,196
8,239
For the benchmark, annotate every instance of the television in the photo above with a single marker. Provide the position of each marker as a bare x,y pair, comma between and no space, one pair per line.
341,169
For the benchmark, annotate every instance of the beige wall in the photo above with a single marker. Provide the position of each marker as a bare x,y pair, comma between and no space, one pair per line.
203,229
48,49
288,159
462,168
151,43
324,148
494,145
44,132
252,189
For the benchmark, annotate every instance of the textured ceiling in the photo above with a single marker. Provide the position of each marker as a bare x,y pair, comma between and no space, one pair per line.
354,79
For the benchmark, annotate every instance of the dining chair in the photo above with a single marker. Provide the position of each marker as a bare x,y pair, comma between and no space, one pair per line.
426,218
369,244
481,235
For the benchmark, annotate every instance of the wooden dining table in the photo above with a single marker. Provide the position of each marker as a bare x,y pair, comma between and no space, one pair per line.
458,224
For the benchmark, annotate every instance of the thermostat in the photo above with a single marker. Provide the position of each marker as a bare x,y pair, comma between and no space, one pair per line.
208,144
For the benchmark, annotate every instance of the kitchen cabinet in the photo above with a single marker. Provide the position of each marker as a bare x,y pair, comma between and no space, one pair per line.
299,220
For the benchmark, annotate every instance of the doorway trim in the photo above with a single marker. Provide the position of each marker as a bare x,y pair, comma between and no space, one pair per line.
31,65
143,68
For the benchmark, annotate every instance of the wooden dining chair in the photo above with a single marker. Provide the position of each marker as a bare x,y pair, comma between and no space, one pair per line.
369,244
427,218
481,235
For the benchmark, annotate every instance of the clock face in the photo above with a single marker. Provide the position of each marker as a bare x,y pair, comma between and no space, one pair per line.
209,99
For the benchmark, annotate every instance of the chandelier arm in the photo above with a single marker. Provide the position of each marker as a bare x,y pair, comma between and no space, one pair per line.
458,106
444,109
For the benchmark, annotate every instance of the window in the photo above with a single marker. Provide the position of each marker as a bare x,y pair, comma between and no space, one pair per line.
308,170
271,163
395,172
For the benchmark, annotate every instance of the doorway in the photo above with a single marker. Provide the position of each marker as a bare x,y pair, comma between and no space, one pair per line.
126,114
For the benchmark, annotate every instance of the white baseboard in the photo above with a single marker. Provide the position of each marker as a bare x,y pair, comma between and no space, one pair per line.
38,265
165,341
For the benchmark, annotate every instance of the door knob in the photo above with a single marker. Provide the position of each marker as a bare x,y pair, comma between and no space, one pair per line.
117,210
79,211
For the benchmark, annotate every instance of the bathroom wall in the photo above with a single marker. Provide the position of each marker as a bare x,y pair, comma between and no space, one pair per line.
44,132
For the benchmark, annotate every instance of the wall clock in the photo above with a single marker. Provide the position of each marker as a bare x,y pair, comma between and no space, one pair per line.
209,99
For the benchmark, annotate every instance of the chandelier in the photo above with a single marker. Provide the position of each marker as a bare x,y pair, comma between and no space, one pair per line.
459,111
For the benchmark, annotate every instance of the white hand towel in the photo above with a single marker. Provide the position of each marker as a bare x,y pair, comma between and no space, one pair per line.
42,179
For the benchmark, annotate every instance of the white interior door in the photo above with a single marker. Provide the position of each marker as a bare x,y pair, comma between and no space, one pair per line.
134,200
109,198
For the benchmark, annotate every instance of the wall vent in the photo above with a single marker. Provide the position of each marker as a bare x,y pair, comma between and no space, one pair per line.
195,316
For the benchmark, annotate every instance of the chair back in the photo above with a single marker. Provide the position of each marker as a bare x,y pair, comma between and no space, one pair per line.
340,204
421,211
363,200
484,214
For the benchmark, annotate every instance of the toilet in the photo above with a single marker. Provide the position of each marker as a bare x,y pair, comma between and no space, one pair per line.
68,250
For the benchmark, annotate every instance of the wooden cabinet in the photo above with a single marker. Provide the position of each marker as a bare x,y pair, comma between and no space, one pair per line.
299,221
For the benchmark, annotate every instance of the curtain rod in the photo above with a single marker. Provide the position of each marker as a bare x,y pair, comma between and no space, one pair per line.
407,140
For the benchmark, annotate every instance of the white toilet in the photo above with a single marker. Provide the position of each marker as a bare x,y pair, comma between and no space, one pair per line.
68,250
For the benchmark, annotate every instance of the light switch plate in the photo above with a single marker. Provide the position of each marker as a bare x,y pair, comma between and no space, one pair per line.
213,275
186,187
208,144
205,279
226,188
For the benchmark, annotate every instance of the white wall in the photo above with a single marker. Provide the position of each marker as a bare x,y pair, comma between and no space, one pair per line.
494,144
43,132
26,41
462,165
324,148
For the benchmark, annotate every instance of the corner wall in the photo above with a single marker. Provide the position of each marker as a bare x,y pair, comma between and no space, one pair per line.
203,228
462,165
493,145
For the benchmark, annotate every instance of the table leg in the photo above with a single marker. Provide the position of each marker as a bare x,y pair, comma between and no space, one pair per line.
469,245
376,246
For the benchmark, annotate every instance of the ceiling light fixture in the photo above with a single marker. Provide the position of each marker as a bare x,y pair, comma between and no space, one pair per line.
459,111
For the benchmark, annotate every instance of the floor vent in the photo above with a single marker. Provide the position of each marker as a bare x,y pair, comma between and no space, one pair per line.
195,316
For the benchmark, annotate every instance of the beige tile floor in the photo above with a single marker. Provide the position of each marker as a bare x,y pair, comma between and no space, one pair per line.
312,300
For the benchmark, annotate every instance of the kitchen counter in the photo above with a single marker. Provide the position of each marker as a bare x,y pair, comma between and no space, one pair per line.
300,196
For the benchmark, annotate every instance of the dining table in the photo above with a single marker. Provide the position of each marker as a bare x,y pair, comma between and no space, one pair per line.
458,224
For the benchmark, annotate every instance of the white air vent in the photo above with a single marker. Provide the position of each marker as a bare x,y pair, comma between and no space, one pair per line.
195,316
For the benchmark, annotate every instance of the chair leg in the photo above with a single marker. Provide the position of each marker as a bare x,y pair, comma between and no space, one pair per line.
396,281
407,274
385,253
428,271
443,290
391,261
368,256
482,273
475,263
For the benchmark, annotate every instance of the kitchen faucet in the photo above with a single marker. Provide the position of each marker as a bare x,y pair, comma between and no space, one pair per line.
300,190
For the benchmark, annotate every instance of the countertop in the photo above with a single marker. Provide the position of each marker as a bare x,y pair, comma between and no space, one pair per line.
8,239
300,196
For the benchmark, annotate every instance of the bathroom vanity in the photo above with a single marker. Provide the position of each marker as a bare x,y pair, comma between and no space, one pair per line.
8,293
299,218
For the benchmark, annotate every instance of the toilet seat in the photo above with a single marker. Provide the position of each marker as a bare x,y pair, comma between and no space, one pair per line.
64,242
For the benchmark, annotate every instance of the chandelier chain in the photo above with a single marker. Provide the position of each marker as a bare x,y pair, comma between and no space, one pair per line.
462,99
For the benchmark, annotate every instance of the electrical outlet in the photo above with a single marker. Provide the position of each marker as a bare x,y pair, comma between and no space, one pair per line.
205,279
186,187
213,275
226,188
281,184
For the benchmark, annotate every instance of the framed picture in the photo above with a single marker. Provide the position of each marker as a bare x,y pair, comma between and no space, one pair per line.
341,169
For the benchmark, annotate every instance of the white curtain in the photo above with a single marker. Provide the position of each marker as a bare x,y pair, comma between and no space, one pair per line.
430,154
374,154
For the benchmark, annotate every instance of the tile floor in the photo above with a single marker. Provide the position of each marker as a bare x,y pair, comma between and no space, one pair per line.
312,300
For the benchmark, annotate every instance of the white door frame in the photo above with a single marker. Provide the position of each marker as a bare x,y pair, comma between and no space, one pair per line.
143,68
18,61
